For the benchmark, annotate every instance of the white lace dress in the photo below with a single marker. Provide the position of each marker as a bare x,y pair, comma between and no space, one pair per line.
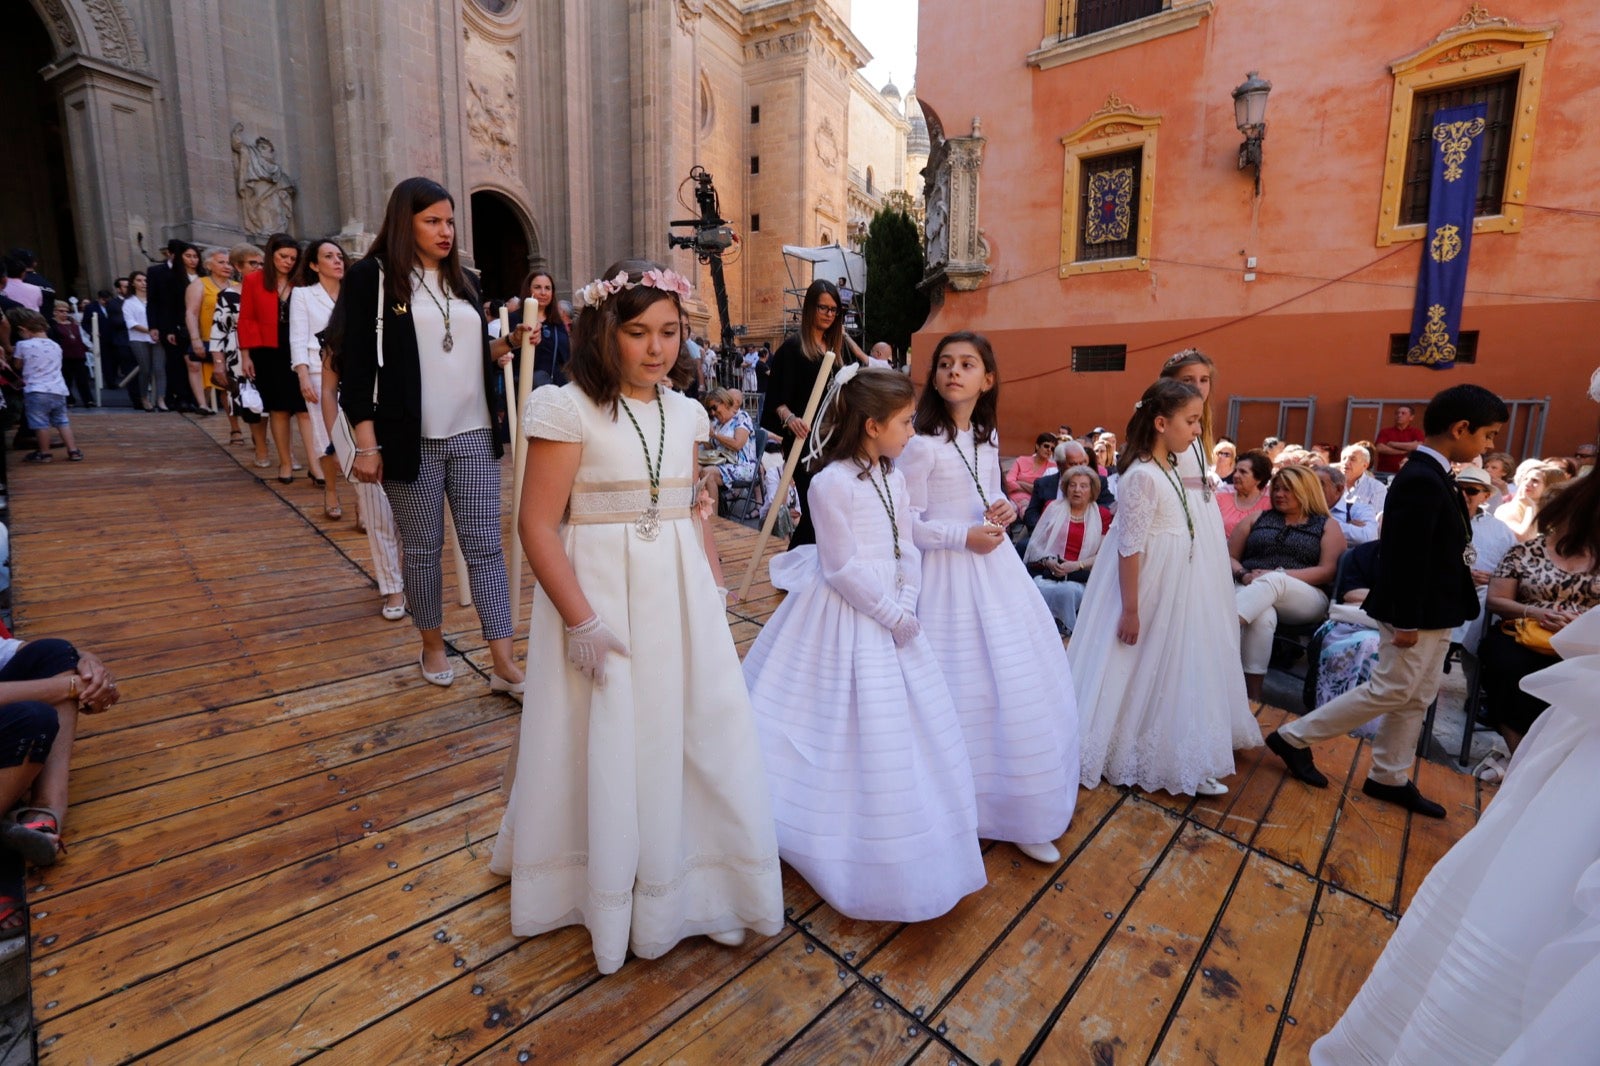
640,807
1168,711
1498,959
997,645
871,785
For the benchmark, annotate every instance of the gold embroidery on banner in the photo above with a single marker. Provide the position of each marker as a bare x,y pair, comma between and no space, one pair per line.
1434,345
1446,244
1456,140
1109,215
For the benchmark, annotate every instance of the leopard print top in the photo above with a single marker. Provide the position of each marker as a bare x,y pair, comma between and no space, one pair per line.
1541,583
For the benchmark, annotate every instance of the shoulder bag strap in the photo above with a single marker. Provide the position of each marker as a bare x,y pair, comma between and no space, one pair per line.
380,337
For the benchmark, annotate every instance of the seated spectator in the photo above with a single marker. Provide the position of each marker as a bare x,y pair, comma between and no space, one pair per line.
1248,493
1534,478
1501,468
1550,580
1491,540
43,686
1293,455
1347,643
1565,464
1224,456
1284,560
1105,464
1359,484
1358,521
1324,452
1273,446
1063,547
1028,469
1068,454
730,457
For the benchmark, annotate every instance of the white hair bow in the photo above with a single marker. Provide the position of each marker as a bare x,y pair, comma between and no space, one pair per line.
819,440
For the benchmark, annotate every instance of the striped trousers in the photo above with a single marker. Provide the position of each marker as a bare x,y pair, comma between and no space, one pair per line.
464,468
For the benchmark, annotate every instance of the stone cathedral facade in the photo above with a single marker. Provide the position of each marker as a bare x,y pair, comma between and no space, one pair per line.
565,128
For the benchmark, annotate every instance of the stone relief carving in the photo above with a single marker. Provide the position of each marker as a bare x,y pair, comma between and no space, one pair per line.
119,43
826,142
783,44
266,192
966,247
689,12
57,14
492,103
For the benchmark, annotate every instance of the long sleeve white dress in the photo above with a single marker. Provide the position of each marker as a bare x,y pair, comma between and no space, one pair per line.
639,807
997,644
871,786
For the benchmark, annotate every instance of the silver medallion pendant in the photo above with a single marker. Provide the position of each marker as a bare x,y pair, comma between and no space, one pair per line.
449,341
899,579
648,525
1469,555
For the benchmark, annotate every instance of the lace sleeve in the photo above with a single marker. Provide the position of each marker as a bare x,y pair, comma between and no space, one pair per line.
1136,511
552,414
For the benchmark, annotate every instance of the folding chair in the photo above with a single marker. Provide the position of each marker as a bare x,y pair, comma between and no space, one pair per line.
742,500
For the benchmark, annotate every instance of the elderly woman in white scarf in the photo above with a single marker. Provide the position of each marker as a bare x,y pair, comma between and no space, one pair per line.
1065,543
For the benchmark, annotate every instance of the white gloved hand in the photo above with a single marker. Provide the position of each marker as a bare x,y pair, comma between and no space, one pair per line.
905,630
587,645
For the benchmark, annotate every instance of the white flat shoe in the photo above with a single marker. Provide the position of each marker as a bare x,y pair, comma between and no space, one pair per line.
731,939
1210,787
500,684
443,678
394,613
1040,852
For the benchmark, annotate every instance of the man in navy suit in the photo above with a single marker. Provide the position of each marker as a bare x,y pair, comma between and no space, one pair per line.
1423,590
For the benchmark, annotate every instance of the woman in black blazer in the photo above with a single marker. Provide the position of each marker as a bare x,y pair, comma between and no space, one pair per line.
432,426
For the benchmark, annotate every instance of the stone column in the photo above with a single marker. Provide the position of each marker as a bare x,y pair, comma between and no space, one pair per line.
969,252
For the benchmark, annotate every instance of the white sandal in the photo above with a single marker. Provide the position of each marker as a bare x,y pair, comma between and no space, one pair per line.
443,678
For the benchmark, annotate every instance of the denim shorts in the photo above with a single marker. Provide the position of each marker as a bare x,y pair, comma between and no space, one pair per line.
44,409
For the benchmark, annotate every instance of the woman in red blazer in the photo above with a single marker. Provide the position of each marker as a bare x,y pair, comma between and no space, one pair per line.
264,334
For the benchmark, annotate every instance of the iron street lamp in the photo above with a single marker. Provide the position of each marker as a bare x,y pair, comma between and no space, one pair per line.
1250,115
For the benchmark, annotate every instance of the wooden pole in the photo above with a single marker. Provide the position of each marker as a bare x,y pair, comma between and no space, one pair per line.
516,444
519,462
780,498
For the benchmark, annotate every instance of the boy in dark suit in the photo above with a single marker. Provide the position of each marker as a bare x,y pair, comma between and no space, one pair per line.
1423,590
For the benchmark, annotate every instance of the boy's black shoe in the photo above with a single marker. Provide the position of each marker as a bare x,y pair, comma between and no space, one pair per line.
1405,795
1299,761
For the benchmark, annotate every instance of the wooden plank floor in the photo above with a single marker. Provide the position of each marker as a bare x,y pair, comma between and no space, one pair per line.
280,839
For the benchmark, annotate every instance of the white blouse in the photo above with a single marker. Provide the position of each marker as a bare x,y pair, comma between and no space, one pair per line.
134,314
453,400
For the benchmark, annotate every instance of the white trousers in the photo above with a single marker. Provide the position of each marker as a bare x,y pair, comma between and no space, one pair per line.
1269,599
1402,685
319,442
381,536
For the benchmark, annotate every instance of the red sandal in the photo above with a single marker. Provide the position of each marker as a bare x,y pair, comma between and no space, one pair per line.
34,833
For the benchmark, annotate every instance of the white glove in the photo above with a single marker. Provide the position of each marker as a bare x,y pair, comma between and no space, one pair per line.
587,645
904,630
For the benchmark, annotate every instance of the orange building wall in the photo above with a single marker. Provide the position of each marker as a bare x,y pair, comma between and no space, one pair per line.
1289,333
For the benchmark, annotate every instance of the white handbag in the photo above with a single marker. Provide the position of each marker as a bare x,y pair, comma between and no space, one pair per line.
343,437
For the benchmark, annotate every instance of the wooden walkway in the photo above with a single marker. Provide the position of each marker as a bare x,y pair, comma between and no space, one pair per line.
280,839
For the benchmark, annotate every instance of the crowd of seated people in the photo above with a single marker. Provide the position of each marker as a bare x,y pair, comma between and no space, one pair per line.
1065,543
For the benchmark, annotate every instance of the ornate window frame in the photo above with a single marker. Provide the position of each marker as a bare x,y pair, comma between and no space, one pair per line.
1055,50
1116,127
1479,46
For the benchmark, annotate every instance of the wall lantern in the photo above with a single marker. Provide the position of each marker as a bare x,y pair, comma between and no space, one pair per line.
1250,115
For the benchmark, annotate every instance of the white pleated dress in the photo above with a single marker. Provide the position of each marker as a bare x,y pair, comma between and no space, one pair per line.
871,786
997,644
1498,959
639,808
1167,712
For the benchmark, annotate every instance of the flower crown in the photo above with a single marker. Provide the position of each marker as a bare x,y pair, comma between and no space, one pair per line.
599,290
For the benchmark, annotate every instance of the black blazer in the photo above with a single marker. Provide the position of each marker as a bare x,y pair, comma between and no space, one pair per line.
397,417
1044,490
1422,581
164,288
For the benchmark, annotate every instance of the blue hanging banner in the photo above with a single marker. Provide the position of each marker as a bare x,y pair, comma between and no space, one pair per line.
1452,202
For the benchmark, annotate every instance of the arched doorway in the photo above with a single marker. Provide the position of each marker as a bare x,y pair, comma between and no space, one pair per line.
502,247
36,211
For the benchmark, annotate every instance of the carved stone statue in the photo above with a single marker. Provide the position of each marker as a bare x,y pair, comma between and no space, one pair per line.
266,193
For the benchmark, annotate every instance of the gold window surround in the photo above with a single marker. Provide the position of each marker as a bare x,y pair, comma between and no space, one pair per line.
1116,127
1478,47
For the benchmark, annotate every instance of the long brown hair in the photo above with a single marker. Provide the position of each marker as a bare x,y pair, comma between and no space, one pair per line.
269,265
1163,399
833,336
1189,357
303,274
1571,521
933,414
874,394
552,310
596,364
396,247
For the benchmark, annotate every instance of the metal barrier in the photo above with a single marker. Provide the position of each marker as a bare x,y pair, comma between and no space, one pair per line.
1287,405
1523,436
